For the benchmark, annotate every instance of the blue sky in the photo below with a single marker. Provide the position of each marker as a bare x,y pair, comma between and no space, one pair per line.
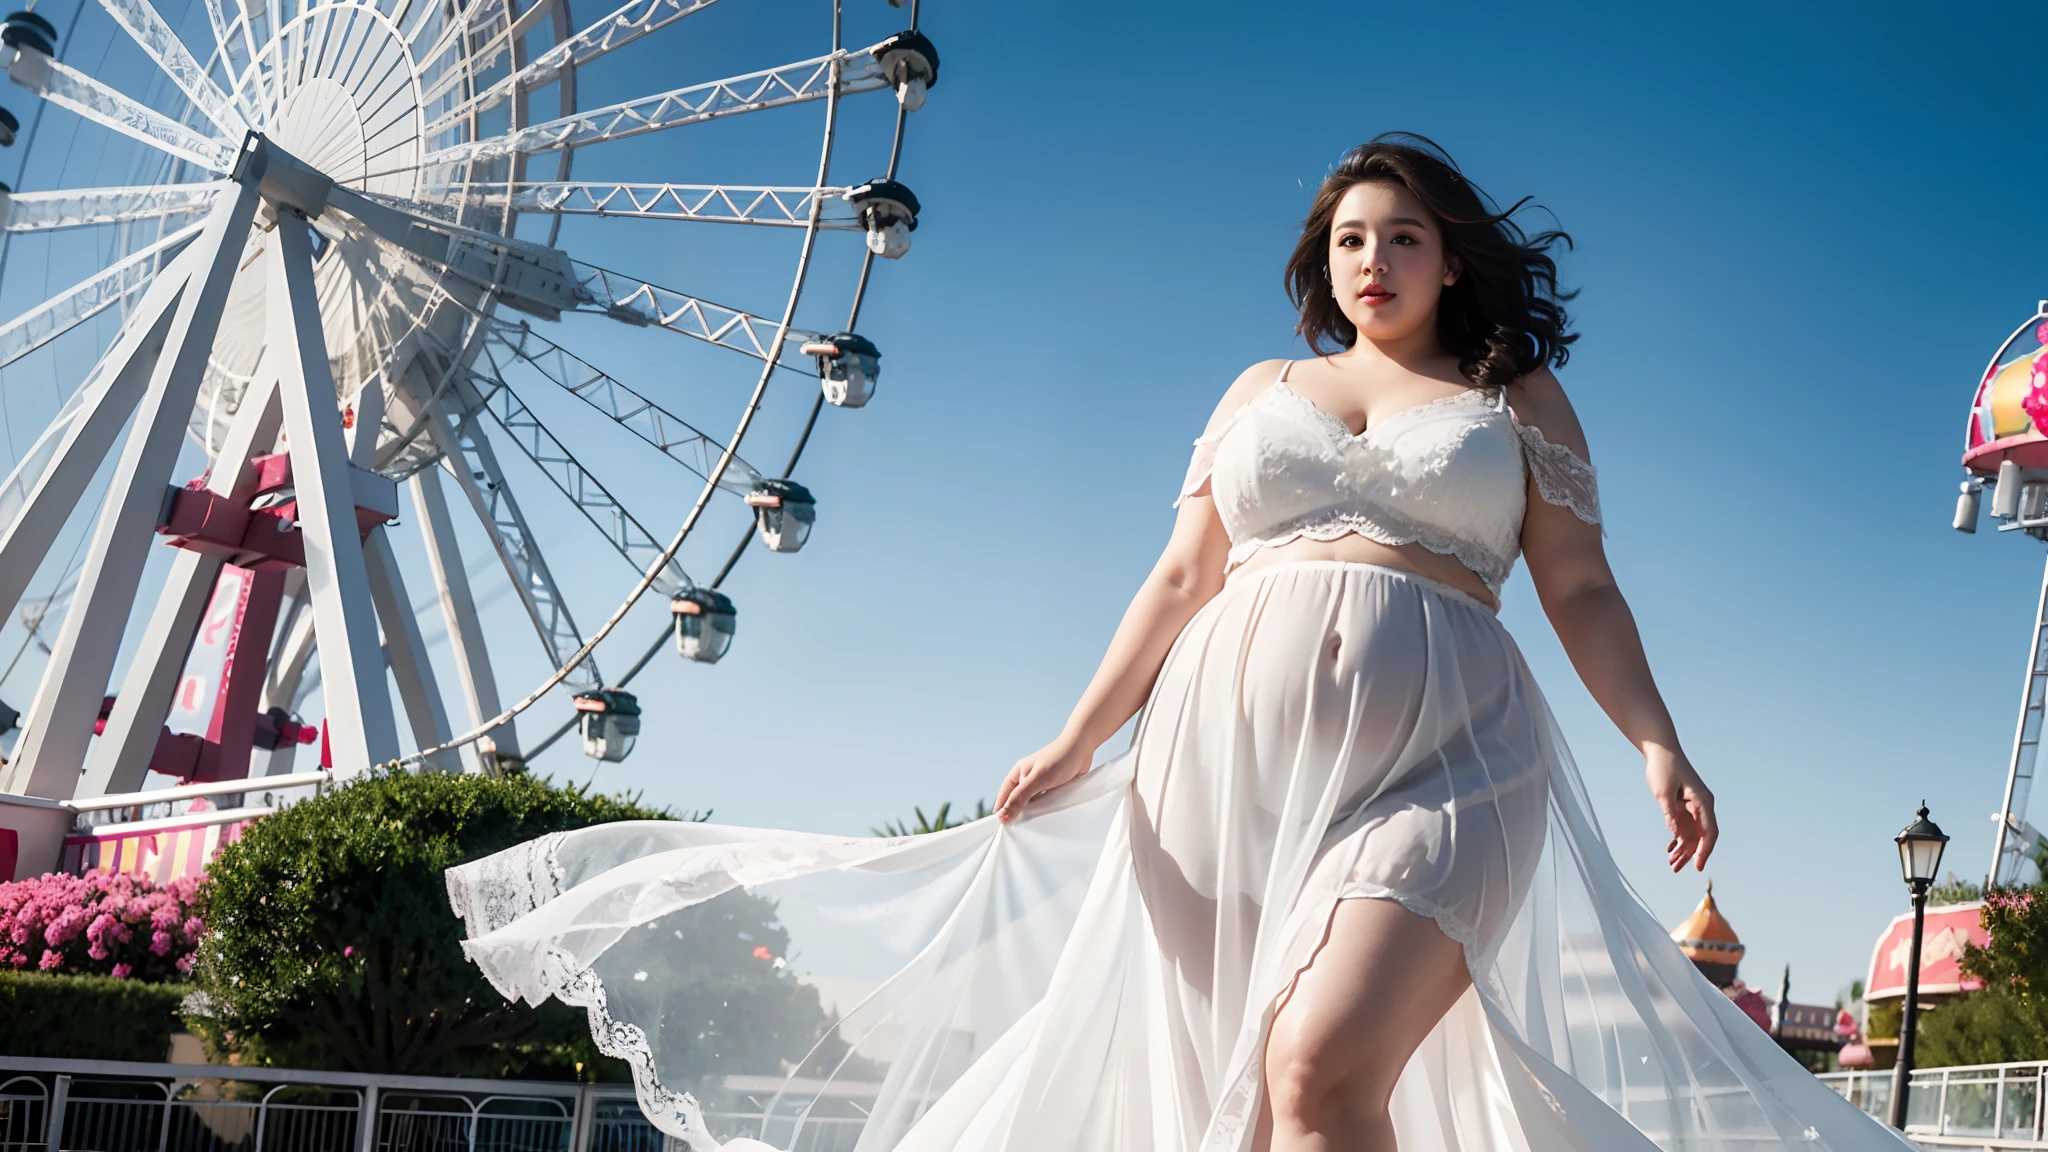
1800,233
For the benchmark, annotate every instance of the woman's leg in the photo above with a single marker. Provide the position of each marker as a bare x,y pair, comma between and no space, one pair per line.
1381,980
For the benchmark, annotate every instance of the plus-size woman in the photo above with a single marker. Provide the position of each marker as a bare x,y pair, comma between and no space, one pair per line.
1343,892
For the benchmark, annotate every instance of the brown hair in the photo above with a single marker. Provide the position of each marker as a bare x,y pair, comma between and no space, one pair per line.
1502,319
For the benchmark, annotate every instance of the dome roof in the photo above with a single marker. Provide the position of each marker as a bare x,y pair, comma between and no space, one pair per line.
1707,935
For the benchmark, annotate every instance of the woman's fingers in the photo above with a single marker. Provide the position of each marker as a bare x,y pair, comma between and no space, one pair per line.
1008,786
1016,790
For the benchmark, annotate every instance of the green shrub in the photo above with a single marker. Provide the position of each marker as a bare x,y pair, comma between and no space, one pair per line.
330,942
1994,1026
87,1017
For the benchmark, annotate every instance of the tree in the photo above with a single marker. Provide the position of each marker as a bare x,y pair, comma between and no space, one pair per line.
2008,1019
925,825
1993,1026
331,942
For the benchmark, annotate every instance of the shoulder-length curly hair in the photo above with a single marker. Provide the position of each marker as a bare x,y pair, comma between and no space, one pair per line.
1502,319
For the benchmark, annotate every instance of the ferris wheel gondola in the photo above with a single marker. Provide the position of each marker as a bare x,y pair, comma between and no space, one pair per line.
339,272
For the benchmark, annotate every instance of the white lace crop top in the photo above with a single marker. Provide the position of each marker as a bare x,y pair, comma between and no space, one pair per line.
1448,475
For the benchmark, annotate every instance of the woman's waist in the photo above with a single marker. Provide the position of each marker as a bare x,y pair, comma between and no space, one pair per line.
1429,570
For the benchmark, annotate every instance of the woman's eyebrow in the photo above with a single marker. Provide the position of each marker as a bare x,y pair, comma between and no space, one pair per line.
1409,220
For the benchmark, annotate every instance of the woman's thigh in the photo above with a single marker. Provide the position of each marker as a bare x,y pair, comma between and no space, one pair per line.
1381,980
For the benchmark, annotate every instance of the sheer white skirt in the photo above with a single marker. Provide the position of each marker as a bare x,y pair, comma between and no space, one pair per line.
1101,974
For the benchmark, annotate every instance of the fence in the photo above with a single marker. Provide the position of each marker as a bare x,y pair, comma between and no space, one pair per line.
111,1106
1989,1106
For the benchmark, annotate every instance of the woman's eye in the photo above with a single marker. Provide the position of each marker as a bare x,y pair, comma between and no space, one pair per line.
1348,242
1404,238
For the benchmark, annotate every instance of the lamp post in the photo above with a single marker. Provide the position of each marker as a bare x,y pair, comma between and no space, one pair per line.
1920,846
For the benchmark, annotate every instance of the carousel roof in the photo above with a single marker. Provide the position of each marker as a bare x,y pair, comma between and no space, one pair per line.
1707,935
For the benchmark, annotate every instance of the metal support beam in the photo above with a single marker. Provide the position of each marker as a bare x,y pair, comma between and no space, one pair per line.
499,513
140,20
406,652
51,752
120,761
68,88
288,665
361,727
53,475
713,203
94,295
2008,852
80,207
769,88
458,609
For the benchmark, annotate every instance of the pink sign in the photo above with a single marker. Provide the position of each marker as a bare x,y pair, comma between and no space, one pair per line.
206,663
1947,929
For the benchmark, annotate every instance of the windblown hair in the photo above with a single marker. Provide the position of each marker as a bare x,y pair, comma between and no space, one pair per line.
1503,318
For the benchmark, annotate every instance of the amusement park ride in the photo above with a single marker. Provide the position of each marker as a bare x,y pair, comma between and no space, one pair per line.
2006,450
327,281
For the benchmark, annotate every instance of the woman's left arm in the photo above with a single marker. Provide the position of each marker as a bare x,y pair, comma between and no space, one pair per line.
1569,566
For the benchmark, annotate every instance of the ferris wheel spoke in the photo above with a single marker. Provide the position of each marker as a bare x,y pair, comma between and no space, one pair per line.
717,203
72,208
473,57
611,519
89,297
225,39
628,23
68,88
142,23
668,433
643,305
795,83
463,448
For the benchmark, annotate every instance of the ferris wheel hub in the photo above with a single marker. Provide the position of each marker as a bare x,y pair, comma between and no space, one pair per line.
283,180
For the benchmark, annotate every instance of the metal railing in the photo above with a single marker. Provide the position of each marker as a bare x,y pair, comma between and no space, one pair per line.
1989,1106
112,1106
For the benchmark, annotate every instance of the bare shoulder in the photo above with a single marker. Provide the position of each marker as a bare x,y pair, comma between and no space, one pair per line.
1540,402
1244,390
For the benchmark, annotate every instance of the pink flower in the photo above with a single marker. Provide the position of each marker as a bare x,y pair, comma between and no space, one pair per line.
121,971
88,924
348,951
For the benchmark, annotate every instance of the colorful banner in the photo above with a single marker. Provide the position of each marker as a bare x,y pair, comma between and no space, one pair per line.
157,849
1947,929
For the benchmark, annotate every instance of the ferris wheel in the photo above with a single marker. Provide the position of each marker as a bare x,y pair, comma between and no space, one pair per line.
343,296
2005,449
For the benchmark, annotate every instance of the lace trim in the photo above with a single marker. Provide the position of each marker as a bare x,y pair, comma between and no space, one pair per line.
498,889
1383,527
1562,479
580,987
1205,451
1337,425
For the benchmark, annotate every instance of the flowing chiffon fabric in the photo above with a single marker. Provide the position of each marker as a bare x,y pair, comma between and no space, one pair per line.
1101,974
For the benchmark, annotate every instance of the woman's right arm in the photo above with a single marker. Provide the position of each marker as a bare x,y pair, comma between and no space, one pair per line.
1189,573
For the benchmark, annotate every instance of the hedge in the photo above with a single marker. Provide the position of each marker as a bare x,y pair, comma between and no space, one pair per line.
87,1017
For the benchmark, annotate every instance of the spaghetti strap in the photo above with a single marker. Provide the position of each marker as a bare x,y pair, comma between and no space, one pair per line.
1286,366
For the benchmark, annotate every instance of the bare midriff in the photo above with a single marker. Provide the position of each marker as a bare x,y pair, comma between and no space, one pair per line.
1360,550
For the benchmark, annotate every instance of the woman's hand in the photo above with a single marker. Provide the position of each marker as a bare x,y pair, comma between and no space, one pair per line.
1688,806
1042,771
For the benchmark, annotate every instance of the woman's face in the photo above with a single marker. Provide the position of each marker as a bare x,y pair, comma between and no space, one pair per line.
1387,263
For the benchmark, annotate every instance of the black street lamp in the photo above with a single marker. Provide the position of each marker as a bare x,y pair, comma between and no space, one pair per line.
1920,848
